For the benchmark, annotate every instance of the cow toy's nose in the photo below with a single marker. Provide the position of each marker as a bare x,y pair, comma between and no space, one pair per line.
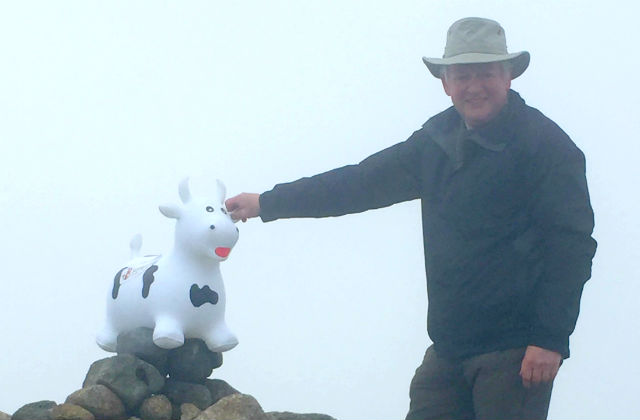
222,252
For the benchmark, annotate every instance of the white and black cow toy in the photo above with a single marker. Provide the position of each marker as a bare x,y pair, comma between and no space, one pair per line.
182,294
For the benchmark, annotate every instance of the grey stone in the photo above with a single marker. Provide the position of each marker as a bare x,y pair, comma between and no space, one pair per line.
234,407
139,342
4,416
103,403
219,389
189,411
193,361
286,415
185,392
69,411
130,378
175,410
156,407
40,410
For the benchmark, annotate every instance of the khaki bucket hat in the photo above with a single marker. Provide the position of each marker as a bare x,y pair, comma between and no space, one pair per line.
477,40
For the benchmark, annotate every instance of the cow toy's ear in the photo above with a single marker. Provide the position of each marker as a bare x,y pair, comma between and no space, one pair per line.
171,211
222,190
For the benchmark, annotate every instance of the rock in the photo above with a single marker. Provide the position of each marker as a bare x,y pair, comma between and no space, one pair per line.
193,361
40,410
99,400
139,342
234,407
68,411
286,415
219,389
185,392
130,378
189,411
156,407
4,416
176,412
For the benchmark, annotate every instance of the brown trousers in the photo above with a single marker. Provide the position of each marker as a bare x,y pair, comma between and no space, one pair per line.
487,386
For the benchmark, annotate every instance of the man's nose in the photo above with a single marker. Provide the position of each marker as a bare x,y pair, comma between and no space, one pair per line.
475,83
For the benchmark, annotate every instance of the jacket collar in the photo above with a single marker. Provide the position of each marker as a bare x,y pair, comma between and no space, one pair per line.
448,130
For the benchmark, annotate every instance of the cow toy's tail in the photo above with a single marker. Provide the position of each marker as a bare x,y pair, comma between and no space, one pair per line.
135,245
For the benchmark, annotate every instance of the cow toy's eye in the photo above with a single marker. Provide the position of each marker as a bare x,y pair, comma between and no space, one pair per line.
223,210
210,209
212,227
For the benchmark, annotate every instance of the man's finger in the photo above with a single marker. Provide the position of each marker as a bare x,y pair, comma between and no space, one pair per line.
236,216
536,375
525,373
231,204
552,372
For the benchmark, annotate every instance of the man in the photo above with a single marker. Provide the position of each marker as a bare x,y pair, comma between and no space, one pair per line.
507,228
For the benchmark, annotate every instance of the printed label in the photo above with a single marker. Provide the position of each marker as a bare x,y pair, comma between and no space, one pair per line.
138,266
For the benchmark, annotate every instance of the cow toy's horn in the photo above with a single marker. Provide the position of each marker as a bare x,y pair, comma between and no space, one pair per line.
183,190
222,190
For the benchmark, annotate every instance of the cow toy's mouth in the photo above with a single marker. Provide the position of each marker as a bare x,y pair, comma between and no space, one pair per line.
222,252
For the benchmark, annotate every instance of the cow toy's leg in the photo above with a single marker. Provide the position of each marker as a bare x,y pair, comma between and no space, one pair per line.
167,333
107,338
220,338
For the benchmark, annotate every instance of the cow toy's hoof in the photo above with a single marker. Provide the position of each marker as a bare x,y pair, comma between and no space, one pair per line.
224,340
107,340
168,342
167,334
225,347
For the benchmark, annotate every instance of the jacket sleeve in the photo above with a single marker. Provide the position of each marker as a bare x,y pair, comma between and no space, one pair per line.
563,215
387,177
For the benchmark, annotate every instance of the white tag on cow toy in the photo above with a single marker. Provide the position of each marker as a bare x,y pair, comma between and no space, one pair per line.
137,267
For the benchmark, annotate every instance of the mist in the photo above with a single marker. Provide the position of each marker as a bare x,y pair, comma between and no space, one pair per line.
106,106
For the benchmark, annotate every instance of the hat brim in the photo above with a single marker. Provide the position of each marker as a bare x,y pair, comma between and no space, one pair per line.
519,61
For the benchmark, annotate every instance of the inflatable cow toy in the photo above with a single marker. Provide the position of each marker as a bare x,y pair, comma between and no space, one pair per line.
179,295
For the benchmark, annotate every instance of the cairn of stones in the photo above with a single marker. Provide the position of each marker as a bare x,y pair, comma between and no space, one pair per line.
146,382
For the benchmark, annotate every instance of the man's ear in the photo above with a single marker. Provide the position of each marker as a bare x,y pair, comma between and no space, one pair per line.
444,85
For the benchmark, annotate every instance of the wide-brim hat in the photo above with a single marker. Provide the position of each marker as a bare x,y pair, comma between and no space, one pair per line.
477,40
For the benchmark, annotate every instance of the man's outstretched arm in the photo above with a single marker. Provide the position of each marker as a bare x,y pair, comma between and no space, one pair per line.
384,178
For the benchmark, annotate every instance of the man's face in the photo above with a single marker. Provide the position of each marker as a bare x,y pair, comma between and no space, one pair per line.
478,91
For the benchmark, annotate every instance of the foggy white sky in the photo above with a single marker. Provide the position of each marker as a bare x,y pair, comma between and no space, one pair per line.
105,106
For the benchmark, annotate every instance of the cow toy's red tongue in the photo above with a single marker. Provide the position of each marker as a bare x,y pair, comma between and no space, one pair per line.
223,252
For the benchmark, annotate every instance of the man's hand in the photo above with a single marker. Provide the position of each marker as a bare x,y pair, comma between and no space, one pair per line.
243,206
539,365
